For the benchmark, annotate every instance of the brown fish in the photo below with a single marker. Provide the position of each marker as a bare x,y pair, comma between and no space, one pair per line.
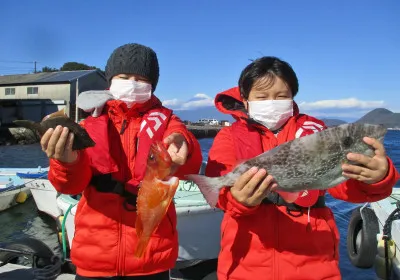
82,139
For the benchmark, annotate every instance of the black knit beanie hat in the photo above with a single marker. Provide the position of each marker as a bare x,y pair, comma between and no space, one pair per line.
133,59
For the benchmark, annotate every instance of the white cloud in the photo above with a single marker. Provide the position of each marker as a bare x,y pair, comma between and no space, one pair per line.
206,102
201,95
341,104
332,108
199,100
171,102
353,114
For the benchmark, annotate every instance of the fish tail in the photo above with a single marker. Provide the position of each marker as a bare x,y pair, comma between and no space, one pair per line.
141,246
27,124
208,186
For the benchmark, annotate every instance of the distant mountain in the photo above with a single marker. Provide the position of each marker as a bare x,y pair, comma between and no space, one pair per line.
376,116
382,116
333,122
210,112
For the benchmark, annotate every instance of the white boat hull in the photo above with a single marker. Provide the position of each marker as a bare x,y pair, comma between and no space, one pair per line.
45,197
383,209
14,185
8,198
195,226
36,184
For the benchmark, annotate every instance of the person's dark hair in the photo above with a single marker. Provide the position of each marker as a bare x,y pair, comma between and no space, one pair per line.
270,67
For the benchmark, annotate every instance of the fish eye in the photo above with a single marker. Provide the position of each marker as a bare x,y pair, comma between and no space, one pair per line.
151,156
347,142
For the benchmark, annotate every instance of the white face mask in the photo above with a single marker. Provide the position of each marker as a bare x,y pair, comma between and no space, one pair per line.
130,92
271,113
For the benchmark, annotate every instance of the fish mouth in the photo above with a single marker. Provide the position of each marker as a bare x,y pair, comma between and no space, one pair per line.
377,131
381,132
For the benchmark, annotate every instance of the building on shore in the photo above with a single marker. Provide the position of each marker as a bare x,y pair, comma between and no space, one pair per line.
33,96
225,123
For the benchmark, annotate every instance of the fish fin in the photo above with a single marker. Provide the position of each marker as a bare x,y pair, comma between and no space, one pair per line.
169,187
55,114
139,226
289,197
208,186
142,240
173,183
141,246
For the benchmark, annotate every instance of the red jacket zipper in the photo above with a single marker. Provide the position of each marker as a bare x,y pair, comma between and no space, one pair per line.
121,251
123,237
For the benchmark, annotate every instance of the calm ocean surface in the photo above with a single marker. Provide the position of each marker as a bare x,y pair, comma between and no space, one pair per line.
24,220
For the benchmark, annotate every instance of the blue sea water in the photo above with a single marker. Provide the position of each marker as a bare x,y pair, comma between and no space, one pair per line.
343,210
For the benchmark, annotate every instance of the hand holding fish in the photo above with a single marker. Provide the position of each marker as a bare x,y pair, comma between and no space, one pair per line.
253,186
57,144
373,169
178,150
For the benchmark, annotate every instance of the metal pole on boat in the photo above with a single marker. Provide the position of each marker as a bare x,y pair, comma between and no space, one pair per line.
76,98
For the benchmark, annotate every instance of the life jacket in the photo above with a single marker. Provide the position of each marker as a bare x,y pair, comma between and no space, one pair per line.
248,144
152,128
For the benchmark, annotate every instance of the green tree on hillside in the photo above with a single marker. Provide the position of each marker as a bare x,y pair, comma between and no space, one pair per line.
71,66
49,69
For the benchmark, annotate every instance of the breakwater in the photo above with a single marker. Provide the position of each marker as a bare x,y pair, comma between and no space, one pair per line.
17,135
22,136
206,131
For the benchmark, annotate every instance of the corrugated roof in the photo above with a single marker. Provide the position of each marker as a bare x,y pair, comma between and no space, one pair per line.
42,78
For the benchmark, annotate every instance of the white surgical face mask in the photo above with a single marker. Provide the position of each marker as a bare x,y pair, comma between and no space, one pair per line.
271,113
130,91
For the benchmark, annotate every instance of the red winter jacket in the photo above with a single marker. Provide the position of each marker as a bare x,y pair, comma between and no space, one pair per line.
105,236
265,242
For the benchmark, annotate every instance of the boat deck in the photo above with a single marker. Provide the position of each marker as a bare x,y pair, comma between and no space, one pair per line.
18,272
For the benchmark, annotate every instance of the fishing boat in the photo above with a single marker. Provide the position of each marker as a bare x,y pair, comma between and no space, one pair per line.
43,192
369,226
13,190
36,184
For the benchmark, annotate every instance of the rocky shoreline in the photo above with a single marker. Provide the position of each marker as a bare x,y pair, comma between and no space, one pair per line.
17,136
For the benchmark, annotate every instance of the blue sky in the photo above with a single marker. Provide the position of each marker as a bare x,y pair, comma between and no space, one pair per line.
345,53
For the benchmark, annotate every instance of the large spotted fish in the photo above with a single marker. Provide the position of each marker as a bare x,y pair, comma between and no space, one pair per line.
306,163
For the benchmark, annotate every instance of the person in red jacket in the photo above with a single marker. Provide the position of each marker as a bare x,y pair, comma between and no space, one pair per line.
263,236
124,122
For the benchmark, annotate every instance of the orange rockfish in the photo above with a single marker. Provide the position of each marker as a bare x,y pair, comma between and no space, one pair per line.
155,194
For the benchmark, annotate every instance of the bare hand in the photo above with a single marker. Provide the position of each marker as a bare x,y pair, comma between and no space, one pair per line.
253,186
178,150
373,169
57,144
